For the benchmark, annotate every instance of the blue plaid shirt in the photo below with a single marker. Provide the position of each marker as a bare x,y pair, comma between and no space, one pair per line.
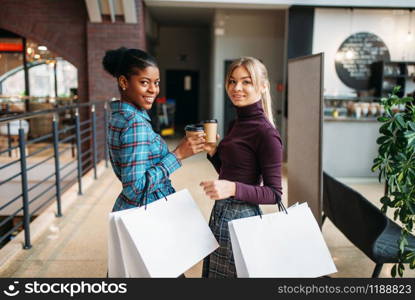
138,154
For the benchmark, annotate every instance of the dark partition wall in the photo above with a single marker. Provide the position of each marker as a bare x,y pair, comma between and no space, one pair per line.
299,35
305,105
300,31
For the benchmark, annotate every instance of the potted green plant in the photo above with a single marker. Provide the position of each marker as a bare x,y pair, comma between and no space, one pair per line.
396,165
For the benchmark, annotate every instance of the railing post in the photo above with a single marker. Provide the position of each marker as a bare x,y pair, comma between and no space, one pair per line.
55,126
72,140
9,139
94,140
78,149
106,133
23,167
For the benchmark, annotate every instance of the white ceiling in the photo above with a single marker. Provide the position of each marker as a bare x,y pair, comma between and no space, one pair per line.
200,12
112,8
280,3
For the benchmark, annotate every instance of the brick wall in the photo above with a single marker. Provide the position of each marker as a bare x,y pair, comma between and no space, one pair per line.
64,28
59,25
102,37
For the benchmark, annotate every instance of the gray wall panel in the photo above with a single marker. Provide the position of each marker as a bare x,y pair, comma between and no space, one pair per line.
305,103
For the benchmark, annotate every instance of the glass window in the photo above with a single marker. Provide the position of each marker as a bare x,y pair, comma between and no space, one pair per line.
44,69
12,80
41,80
67,76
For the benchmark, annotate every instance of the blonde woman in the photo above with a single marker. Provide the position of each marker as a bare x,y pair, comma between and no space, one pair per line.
248,161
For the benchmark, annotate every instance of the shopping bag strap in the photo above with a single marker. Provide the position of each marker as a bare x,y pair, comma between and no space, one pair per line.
279,203
164,196
143,199
281,207
144,195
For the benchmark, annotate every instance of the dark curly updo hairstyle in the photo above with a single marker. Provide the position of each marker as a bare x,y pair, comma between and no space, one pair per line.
127,62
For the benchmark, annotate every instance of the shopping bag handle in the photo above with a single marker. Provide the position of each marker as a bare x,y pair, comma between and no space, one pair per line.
164,196
145,192
279,203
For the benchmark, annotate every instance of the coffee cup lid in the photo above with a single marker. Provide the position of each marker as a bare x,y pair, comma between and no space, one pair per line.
193,127
210,121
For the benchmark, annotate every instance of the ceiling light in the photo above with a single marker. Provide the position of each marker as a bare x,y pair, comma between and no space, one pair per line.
349,54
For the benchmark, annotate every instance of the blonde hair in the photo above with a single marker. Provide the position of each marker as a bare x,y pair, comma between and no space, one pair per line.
259,76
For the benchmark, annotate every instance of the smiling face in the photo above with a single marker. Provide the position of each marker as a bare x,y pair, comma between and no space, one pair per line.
141,88
240,88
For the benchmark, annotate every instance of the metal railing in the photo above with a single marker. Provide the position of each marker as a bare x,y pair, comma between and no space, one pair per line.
80,128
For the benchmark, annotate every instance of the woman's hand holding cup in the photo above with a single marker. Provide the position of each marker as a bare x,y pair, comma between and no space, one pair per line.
211,127
210,148
190,145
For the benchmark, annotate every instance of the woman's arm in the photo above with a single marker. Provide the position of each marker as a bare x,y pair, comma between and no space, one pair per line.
270,162
213,155
215,160
135,144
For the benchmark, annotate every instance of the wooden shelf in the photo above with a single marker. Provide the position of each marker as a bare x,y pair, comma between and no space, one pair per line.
397,76
393,72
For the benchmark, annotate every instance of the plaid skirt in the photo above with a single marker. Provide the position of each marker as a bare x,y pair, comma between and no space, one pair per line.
221,264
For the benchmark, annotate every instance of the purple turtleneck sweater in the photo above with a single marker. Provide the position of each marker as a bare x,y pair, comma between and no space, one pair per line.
251,154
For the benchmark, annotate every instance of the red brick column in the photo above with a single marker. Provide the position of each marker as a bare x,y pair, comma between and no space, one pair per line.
105,36
63,27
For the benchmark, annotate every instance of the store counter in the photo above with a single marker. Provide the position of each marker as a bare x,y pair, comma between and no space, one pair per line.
349,146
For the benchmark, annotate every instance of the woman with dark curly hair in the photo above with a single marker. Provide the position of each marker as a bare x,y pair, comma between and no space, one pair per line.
139,156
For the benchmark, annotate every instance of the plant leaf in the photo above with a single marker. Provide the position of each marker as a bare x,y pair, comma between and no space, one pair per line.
395,164
410,136
393,271
385,200
396,90
383,139
406,99
400,120
400,177
383,119
401,268
403,243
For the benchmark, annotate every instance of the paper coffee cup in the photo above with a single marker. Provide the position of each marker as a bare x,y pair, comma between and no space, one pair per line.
358,112
211,129
192,129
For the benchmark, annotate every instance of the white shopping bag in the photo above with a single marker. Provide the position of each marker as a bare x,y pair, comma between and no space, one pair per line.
280,245
163,240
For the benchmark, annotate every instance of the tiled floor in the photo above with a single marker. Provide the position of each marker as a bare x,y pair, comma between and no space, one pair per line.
76,245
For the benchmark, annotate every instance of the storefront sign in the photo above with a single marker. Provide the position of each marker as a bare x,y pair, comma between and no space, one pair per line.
11,47
354,57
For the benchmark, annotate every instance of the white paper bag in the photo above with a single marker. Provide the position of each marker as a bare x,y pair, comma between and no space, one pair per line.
280,245
164,240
